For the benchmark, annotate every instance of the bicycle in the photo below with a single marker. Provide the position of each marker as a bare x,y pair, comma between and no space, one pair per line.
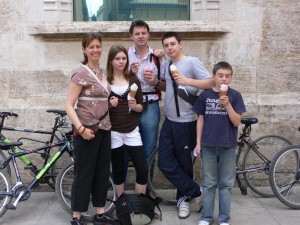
254,166
19,191
59,122
285,176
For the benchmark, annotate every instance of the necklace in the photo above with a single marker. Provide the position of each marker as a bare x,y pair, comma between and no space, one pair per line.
99,74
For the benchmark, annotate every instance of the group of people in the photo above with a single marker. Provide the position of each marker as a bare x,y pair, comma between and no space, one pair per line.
110,123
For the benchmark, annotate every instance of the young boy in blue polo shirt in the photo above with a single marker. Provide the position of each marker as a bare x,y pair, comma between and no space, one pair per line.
217,126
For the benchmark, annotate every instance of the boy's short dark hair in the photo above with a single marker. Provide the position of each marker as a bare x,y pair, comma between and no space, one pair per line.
138,23
171,34
222,65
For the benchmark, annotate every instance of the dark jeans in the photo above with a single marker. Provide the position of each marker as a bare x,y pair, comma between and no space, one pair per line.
176,143
92,169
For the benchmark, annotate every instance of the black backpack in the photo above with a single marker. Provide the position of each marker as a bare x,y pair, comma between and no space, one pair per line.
136,209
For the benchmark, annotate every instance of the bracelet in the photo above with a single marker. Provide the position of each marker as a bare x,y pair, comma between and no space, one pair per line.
79,127
82,131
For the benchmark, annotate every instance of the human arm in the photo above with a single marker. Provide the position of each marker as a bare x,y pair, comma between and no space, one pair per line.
201,84
73,93
234,117
199,129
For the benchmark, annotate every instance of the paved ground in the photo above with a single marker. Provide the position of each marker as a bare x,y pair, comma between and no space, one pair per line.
42,208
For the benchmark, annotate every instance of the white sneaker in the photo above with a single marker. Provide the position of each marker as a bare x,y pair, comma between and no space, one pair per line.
184,210
203,222
197,203
224,223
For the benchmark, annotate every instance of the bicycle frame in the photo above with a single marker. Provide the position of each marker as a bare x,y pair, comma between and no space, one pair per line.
59,123
24,191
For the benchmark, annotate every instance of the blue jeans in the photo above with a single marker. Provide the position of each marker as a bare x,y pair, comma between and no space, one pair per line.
219,170
148,124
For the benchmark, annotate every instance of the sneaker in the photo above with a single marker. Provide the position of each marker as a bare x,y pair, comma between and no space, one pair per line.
77,221
197,203
203,222
224,223
106,219
184,210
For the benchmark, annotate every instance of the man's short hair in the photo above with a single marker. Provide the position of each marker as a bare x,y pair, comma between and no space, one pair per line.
138,23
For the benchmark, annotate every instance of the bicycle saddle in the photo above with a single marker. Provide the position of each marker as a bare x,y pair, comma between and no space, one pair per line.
249,120
7,146
60,112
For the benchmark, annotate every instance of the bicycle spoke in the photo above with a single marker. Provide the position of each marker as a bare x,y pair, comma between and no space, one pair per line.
285,174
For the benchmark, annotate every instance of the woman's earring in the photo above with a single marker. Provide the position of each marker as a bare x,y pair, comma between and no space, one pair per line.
84,55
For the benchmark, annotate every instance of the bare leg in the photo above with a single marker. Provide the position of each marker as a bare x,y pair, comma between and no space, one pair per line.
140,188
76,214
100,210
119,189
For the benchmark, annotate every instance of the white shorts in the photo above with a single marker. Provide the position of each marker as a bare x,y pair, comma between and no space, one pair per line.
131,139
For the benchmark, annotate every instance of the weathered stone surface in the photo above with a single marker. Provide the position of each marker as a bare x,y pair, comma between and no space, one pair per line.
259,38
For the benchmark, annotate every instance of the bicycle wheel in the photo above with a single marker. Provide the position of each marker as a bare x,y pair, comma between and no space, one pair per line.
63,188
158,184
285,175
5,186
257,177
2,159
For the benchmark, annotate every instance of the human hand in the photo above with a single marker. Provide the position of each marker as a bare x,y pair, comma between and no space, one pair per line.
181,79
149,75
113,100
131,103
159,53
224,101
135,67
197,150
87,134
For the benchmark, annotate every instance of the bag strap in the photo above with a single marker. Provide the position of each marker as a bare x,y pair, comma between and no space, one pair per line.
175,87
156,201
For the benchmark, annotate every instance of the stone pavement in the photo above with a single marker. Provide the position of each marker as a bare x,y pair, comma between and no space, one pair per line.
42,208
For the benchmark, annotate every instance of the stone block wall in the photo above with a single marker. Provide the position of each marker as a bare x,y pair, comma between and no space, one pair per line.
259,38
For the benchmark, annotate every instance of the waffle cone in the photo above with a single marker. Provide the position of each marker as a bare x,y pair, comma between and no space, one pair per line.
132,93
222,93
174,72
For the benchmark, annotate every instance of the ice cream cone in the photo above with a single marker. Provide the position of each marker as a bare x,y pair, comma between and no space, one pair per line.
174,70
132,93
223,92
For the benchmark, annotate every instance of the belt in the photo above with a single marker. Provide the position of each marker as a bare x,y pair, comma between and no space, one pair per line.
152,101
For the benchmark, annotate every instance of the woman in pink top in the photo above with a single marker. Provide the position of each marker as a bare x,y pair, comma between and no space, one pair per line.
92,140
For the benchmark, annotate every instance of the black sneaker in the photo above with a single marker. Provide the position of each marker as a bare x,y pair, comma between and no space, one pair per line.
106,219
77,221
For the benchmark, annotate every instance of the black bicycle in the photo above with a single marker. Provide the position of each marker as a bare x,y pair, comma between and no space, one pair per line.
254,167
11,195
55,134
285,176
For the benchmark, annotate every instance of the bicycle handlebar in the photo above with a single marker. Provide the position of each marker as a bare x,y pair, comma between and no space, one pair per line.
6,114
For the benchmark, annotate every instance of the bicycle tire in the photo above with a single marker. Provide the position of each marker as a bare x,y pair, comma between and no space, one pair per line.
5,186
285,175
63,187
3,158
57,167
258,179
158,184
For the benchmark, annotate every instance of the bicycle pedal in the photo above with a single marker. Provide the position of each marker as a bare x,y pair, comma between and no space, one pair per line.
11,207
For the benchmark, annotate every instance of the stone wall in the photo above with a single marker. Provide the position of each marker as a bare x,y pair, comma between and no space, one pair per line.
259,38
